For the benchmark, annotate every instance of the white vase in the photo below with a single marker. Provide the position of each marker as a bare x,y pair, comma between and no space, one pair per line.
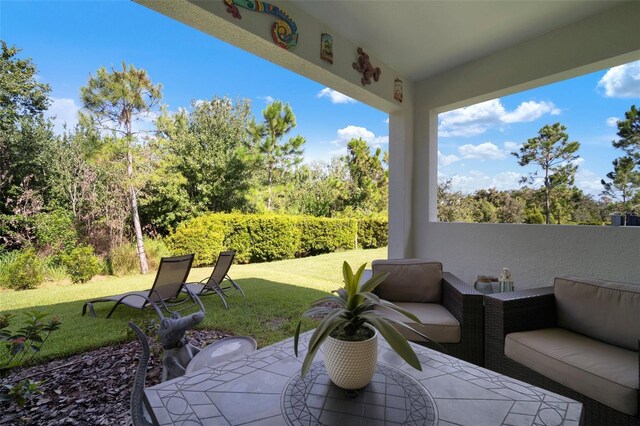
351,365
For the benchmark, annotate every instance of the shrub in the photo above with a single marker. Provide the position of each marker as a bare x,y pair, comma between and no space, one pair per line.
6,260
373,232
124,260
273,237
54,270
25,271
202,236
81,264
55,232
323,235
267,237
156,249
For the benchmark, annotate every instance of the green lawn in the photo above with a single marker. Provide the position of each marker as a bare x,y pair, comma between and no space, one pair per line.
276,294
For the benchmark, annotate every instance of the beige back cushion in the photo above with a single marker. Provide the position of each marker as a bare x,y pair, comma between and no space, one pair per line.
604,310
410,280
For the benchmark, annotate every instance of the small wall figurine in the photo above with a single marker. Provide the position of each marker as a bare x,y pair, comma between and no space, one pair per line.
397,90
364,67
326,48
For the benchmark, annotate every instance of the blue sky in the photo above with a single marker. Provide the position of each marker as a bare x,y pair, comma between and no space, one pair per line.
69,40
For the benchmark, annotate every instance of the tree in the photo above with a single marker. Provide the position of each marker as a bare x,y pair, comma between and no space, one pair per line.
554,154
114,101
274,157
623,185
206,147
368,178
25,135
629,134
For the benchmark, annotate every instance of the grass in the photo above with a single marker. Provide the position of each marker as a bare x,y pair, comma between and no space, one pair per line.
276,295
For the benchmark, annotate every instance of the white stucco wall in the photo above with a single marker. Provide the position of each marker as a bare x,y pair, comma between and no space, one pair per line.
535,253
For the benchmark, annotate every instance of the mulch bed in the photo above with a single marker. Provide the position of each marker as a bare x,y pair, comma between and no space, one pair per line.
92,388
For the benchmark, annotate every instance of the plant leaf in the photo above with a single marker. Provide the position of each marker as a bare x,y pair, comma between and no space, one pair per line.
397,342
358,275
347,272
373,282
296,338
318,311
372,297
316,341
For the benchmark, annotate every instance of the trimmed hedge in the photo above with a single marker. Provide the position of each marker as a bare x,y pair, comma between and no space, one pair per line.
261,238
324,235
373,232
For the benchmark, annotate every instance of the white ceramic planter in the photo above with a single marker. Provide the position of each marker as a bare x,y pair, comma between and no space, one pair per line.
351,365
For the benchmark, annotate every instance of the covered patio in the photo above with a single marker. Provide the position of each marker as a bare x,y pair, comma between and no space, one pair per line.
416,60
446,55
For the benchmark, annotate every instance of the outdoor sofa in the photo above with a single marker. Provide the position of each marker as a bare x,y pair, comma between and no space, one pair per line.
578,338
450,310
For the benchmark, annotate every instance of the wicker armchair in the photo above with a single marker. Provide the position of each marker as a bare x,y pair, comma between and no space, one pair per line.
528,310
461,301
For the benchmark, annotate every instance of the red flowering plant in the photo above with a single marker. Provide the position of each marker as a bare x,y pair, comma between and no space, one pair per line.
24,343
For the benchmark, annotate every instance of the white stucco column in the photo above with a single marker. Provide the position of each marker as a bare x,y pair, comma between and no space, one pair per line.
401,149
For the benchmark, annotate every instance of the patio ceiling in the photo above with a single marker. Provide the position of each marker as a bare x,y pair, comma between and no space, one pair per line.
424,38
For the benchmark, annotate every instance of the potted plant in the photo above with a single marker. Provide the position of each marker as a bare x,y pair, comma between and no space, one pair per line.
349,331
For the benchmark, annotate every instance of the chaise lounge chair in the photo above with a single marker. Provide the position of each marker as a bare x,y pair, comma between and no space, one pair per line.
165,293
215,283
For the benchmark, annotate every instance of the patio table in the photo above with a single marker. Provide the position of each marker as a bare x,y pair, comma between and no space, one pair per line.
265,388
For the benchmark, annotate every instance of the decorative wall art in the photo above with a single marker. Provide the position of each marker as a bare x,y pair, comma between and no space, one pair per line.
284,31
326,48
397,90
364,67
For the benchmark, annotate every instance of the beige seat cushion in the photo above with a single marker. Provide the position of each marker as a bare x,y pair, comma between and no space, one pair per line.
601,371
437,322
605,310
410,280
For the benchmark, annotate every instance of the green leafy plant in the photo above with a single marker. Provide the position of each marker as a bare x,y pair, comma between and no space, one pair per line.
28,339
25,271
81,264
353,308
22,392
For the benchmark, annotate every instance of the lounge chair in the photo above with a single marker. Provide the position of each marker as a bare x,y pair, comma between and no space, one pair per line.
215,283
165,293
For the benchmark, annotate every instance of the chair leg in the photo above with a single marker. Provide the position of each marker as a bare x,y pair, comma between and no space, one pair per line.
113,309
91,311
219,293
235,285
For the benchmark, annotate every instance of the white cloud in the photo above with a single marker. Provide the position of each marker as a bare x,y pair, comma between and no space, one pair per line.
482,152
355,132
386,120
63,111
268,99
511,146
445,160
587,180
530,111
476,180
477,119
622,81
335,97
612,121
